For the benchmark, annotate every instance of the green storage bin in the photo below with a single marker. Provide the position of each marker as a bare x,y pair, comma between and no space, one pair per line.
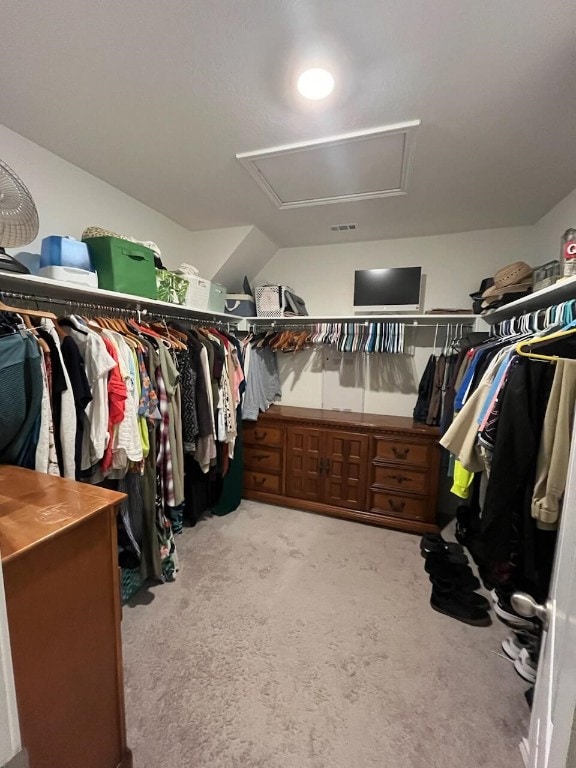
123,266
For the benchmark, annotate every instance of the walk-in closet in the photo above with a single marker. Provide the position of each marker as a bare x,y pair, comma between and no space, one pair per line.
287,384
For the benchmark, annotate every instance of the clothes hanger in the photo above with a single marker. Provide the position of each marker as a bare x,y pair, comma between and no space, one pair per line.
27,312
524,348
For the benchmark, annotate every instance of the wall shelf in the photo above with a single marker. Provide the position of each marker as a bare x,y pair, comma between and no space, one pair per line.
546,297
41,287
421,319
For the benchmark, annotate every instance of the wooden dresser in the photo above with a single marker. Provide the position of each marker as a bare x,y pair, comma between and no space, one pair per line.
59,555
375,469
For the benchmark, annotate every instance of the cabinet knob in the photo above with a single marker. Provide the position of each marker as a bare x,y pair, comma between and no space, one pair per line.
401,479
400,453
397,506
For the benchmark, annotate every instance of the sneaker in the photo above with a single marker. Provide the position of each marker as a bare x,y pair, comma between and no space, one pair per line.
440,566
515,643
450,603
526,666
508,615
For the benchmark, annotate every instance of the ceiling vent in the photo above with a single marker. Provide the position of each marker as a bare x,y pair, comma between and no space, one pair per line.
362,165
342,227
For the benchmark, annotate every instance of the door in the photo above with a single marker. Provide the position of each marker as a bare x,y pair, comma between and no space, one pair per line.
555,693
346,469
304,463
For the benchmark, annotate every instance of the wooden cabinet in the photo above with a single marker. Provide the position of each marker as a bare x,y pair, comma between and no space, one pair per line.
366,467
327,466
59,557
305,463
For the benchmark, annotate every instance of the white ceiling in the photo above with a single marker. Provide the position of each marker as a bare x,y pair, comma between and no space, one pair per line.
157,98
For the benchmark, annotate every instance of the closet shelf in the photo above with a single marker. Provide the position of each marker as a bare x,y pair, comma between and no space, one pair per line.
421,319
546,297
41,287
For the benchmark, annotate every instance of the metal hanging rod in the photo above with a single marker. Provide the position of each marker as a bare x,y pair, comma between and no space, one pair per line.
278,325
536,320
137,312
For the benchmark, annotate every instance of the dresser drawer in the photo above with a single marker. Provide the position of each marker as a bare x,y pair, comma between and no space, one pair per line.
403,452
263,435
261,481
262,459
393,505
399,478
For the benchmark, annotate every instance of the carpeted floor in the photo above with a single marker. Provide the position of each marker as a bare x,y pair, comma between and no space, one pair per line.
292,640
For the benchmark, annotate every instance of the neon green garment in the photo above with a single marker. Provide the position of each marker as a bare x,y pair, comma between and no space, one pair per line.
462,481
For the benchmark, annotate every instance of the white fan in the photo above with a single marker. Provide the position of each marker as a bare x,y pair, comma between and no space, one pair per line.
18,217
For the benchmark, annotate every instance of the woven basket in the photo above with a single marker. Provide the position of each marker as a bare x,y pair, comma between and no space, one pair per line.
270,301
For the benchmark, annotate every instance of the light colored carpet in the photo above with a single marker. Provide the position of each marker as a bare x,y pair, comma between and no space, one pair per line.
292,640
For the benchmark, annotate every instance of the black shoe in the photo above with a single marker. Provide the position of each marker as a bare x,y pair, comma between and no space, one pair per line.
507,615
441,567
466,596
434,543
449,602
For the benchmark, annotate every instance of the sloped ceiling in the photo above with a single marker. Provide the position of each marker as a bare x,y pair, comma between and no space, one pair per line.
157,98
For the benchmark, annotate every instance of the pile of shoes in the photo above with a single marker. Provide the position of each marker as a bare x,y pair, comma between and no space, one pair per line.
454,586
523,645
454,593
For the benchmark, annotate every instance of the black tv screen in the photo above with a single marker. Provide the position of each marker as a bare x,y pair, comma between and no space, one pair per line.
397,287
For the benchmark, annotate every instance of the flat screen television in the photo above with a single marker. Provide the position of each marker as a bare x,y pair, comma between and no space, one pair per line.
396,289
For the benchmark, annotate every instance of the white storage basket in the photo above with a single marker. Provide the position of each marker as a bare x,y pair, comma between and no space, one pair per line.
270,301
198,294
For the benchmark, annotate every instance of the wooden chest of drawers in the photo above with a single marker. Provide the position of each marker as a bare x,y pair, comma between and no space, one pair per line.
58,541
377,469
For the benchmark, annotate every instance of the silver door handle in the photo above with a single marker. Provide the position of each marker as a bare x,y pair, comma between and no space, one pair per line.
526,606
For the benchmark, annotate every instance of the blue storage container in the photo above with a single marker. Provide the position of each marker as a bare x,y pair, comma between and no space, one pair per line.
241,304
65,252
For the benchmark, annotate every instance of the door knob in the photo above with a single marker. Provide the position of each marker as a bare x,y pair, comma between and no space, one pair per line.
525,605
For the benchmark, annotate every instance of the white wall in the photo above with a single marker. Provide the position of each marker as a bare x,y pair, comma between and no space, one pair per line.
68,200
552,226
453,266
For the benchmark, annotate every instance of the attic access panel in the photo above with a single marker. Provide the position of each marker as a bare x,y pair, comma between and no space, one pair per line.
351,166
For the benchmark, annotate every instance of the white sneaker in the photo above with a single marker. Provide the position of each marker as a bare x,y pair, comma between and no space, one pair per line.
513,619
525,667
515,643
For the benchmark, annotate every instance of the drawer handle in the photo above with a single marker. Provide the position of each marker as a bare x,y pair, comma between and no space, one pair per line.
327,466
321,466
259,481
400,454
260,456
397,507
260,435
401,479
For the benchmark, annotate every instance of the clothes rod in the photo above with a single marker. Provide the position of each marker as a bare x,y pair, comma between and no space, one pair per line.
92,306
281,326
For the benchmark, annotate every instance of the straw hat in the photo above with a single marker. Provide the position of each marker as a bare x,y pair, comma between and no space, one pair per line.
514,278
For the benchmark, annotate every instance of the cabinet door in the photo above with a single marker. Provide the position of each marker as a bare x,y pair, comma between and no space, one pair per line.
346,469
304,449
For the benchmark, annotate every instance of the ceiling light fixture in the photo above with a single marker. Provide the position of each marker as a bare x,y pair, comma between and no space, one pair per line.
316,84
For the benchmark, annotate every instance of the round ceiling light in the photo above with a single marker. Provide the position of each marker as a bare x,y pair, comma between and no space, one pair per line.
315,84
